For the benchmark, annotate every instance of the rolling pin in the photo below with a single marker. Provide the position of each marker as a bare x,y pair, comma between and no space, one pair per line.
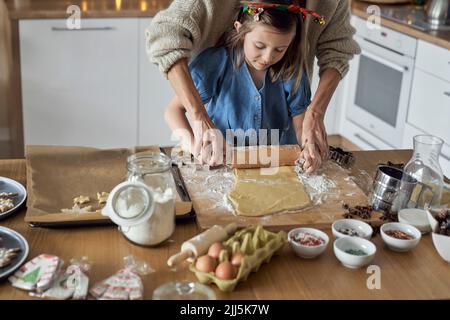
200,244
261,156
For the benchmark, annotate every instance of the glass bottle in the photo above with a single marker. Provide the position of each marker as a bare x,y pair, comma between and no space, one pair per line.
144,206
153,169
183,290
424,167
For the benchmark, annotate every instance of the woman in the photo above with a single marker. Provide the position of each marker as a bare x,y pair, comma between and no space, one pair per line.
189,26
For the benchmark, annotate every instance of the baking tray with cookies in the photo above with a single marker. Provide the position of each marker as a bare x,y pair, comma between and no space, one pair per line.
67,186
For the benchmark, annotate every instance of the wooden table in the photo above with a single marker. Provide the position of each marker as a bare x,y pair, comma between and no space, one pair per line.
418,274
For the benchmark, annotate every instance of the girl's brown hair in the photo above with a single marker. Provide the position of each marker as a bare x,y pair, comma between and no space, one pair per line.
291,65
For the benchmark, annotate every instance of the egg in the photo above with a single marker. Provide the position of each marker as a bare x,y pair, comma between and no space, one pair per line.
236,260
206,264
225,271
214,250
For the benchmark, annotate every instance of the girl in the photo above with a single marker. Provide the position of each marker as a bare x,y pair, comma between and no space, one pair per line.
254,79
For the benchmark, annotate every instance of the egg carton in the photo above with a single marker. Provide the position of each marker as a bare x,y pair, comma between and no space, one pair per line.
257,244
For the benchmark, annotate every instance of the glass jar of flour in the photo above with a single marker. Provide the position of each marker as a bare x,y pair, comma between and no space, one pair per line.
144,206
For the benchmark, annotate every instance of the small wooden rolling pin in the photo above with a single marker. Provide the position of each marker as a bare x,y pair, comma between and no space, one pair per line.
265,156
200,244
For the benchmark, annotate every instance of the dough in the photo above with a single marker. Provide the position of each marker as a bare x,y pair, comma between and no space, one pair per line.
256,195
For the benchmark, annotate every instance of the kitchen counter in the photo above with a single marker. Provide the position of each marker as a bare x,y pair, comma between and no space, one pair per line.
56,9
439,38
418,274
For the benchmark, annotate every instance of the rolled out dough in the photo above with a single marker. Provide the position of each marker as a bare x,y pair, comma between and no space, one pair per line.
255,194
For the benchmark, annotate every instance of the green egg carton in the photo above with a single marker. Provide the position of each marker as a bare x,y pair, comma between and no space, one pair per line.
257,244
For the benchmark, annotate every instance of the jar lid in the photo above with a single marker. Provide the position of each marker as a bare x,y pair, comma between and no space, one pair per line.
183,290
148,162
130,203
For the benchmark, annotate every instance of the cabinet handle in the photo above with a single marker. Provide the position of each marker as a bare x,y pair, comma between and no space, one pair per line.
447,93
84,29
357,135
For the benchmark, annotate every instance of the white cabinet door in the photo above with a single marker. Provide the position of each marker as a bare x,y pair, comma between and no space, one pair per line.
80,87
155,93
429,107
433,59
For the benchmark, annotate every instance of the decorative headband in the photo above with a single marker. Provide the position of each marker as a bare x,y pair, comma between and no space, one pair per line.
255,9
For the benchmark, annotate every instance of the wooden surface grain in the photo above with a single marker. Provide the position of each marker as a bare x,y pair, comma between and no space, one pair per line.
418,274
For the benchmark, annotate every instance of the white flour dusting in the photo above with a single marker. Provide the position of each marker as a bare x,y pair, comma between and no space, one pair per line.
318,185
216,183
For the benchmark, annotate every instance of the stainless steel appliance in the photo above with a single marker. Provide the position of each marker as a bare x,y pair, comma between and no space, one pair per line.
379,86
431,17
438,12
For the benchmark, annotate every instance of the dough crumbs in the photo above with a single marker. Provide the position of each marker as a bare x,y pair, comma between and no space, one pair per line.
81,200
77,209
102,197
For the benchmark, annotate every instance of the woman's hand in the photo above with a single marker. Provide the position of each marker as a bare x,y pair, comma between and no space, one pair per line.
209,143
313,141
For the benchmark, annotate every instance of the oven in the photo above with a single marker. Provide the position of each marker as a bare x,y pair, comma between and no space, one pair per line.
379,85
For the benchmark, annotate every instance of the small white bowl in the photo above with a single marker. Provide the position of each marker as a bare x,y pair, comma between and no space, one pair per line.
308,252
415,217
353,261
400,245
440,241
363,229
442,245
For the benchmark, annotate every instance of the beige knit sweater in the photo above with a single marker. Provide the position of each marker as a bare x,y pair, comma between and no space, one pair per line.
189,26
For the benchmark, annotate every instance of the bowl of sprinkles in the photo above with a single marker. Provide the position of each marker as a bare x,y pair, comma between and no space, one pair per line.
308,242
351,228
354,252
400,237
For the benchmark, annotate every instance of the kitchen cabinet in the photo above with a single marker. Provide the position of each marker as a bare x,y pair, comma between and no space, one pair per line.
429,108
91,87
433,59
79,87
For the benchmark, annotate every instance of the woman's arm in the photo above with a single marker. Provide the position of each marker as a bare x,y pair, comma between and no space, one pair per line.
335,47
208,142
185,28
314,137
175,116
173,37
311,156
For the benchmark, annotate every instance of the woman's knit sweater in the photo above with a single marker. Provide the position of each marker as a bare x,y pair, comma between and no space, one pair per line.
189,26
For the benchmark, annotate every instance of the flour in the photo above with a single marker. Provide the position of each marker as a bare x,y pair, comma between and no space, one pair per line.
319,186
130,203
217,184
319,183
160,225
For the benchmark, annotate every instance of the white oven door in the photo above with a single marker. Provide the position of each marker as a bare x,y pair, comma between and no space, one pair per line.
380,83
